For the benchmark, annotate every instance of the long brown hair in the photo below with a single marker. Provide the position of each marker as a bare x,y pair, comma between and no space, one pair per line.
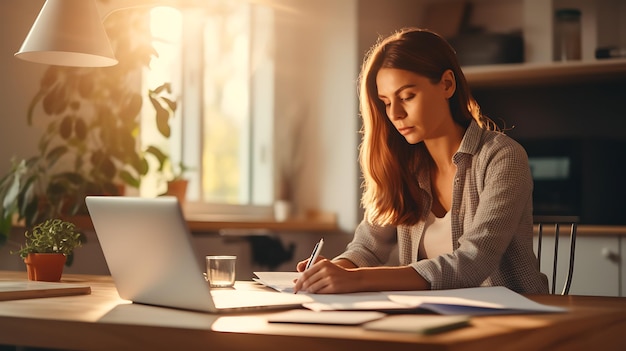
389,163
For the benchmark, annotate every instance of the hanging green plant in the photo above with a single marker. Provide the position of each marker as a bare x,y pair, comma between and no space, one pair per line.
90,121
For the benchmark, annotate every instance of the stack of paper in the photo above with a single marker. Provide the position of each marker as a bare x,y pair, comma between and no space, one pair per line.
469,301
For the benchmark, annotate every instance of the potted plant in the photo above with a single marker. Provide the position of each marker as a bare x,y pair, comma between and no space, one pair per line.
165,106
48,247
177,184
90,119
174,176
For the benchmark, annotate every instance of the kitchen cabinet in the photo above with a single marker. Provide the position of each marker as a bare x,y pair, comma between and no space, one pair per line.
598,267
595,272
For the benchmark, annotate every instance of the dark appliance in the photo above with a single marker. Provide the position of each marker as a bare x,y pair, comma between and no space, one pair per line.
579,177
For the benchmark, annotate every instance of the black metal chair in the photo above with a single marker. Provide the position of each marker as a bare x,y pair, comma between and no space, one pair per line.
558,222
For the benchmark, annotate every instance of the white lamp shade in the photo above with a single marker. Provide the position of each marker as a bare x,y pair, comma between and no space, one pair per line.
68,33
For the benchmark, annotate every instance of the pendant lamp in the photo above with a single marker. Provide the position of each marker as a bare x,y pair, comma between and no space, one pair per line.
68,33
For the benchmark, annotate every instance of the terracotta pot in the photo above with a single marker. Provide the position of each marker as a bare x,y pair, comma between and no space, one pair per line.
46,267
178,188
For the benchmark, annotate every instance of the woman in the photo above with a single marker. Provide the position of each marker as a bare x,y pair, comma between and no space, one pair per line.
440,182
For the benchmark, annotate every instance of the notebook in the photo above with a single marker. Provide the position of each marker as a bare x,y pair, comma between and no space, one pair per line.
17,290
148,249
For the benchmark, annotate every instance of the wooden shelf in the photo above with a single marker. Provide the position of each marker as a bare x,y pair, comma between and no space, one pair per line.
233,224
238,224
490,76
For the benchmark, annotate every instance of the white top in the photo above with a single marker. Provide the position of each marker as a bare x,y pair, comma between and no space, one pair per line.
437,238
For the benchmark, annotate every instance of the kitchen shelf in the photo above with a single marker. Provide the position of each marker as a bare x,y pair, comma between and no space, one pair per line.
489,76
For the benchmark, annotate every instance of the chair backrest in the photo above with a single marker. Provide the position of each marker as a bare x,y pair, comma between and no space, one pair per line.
558,222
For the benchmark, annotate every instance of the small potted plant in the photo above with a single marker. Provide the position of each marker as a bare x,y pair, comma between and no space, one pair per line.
165,106
48,247
177,184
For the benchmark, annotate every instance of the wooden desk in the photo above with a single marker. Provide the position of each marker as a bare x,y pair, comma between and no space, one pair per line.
103,321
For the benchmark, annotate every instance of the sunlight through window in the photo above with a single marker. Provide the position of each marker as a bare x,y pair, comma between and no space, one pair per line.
166,29
218,60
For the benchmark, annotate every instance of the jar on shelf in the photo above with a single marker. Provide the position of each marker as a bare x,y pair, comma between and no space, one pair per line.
567,29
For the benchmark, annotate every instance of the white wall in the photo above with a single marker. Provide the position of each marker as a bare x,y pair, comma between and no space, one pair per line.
317,66
19,82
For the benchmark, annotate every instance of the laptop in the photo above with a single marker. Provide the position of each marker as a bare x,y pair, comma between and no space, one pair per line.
148,249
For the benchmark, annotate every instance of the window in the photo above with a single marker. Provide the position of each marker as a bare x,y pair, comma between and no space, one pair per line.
166,28
220,64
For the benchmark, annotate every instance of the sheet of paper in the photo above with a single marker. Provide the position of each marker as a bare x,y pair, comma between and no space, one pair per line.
420,323
367,301
279,281
374,301
473,301
330,317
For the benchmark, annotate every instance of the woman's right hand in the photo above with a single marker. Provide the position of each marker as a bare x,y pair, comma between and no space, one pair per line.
301,266
326,277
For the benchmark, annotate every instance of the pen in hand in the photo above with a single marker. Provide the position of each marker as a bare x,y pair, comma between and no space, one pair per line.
314,254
